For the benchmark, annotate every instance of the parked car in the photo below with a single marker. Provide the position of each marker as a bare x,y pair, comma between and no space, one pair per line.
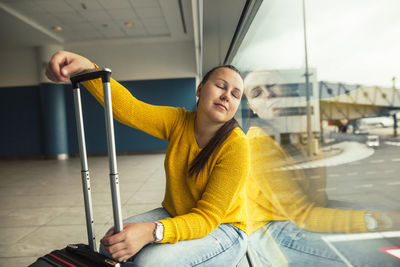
373,141
384,121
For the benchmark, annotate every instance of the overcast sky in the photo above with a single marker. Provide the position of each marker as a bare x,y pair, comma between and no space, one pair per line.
352,41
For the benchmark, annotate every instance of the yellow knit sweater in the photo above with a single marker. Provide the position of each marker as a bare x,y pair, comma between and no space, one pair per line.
197,205
289,195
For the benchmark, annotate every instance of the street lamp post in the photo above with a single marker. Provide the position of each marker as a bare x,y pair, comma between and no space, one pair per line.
394,114
307,75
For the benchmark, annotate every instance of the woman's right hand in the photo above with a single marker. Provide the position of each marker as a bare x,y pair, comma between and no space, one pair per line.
63,64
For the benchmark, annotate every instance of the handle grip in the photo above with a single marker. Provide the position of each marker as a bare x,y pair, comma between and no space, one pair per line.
104,74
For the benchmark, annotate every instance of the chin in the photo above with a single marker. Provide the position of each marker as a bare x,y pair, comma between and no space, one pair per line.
218,119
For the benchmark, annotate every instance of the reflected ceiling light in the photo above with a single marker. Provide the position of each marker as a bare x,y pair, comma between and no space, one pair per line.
57,28
129,24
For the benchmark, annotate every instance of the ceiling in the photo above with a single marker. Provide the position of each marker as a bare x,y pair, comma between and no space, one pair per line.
39,22
34,23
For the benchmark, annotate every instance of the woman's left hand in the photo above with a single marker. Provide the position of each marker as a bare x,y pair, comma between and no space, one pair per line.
134,237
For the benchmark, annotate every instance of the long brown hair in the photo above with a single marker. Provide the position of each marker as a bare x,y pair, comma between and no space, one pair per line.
220,136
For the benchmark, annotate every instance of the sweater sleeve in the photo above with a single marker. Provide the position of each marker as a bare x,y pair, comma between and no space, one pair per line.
157,121
288,198
223,188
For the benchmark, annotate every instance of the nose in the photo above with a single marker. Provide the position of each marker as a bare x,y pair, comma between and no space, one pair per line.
225,96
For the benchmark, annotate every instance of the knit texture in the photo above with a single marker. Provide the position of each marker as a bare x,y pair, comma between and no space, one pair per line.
276,194
197,204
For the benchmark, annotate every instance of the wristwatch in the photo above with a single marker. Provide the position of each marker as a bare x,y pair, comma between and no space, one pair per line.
370,222
158,232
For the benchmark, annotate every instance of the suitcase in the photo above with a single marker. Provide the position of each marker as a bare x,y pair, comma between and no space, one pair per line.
81,254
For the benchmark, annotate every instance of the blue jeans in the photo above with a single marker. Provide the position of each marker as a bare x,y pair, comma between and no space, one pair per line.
282,243
225,246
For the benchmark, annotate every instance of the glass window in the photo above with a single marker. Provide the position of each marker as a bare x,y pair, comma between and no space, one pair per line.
324,187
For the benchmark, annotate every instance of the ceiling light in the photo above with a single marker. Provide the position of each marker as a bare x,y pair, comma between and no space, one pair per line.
128,24
57,28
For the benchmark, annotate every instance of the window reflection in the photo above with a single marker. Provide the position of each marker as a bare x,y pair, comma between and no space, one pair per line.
338,205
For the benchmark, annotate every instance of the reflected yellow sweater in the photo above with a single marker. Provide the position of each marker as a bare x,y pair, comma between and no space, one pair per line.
197,205
289,195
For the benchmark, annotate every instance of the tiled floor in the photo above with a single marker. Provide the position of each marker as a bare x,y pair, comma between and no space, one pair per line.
42,204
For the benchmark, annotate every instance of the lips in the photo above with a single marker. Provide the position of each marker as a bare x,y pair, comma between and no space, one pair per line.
221,106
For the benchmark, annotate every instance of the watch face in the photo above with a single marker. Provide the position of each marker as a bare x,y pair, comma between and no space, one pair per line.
158,236
159,232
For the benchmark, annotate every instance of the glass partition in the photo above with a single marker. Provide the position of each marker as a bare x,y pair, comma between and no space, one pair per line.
324,186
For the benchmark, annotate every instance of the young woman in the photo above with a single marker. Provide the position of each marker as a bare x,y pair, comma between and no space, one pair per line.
289,212
203,219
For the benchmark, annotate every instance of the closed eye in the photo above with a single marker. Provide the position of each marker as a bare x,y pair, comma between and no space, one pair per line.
256,92
235,95
222,86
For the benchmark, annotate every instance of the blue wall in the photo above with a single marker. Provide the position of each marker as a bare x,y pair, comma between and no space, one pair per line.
53,119
23,124
20,130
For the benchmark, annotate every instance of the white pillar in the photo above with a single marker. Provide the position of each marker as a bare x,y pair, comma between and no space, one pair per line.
53,108
44,55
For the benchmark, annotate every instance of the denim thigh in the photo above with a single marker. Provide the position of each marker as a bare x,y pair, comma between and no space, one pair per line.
225,246
282,243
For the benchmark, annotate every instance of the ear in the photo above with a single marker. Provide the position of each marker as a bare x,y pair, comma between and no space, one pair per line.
199,89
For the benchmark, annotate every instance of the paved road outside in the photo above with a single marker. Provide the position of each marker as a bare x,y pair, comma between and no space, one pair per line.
374,180
366,177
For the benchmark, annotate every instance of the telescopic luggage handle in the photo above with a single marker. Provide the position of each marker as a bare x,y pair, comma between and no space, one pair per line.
105,75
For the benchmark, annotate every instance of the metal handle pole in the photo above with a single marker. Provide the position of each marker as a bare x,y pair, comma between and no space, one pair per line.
105,75
85,171
114,180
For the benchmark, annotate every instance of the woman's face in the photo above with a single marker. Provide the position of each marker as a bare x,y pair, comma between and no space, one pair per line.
264,99
219,97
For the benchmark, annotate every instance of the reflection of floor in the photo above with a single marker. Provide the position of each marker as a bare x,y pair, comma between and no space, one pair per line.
42,204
